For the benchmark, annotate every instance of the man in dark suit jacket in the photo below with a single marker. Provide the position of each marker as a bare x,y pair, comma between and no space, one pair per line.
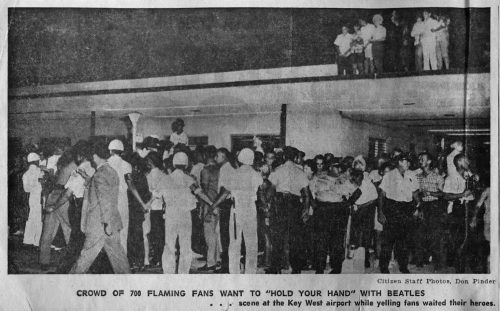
101,222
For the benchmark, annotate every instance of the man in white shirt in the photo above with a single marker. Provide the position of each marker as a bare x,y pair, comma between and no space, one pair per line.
457,148
367,33
153,227
417,32
429,41
243,223
225,176
378,43
458,196
398,189
292,200
74,193
343,44
123,168
179,191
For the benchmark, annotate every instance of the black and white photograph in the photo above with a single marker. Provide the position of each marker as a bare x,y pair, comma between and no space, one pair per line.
249,140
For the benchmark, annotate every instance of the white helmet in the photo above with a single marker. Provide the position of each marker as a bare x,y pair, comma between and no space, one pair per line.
116,144
180,158
32,157
246,156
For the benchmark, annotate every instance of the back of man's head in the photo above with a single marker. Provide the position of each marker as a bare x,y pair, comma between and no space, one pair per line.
101,150
289,153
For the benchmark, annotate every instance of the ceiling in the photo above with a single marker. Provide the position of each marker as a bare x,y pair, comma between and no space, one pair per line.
417,102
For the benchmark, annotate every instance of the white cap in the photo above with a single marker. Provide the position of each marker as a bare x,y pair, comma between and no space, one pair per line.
180,158
32,157
115,144
359,159
246,156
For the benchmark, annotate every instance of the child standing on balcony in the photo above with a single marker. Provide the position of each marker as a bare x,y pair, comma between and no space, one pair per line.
357,45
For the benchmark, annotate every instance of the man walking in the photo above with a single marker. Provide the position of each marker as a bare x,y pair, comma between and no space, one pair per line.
101,220
398,189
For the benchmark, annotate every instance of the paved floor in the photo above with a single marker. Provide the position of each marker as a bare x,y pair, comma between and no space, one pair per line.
24,260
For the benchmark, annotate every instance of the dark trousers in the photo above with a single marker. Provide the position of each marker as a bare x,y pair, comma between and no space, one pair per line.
287,218
458,249
378,56
344,64
225,215
76,239
362,226
198,244
330,225
395,233
430,236
157,236
135,242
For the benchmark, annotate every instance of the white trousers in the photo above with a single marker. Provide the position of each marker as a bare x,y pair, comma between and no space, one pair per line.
246,226
429,54
33,229
177,225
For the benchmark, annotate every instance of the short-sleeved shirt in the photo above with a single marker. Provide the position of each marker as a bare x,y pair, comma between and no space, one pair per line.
225,175
181,138
398,187
417,31
431,182
31,182
155,179
324,189
450,165
343,42
177,194
245,183
379,33
368,191
288,178
454,184
374,176
123,168
76,183
367,32
52,162
429,24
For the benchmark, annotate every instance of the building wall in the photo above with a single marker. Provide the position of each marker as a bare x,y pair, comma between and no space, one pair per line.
319,132
311,131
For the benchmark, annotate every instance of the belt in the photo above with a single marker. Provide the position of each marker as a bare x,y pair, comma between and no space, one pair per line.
330,204
287,194
58,187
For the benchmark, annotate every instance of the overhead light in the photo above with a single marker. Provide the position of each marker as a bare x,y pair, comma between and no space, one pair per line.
217,114
408,104
457,130
468,134
196,110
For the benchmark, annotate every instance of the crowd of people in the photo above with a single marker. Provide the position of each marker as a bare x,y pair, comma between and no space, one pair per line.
374,48
260,207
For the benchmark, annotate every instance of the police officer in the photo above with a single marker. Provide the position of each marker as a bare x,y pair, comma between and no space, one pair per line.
398,191
245,183
179,191
292,206
123,168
